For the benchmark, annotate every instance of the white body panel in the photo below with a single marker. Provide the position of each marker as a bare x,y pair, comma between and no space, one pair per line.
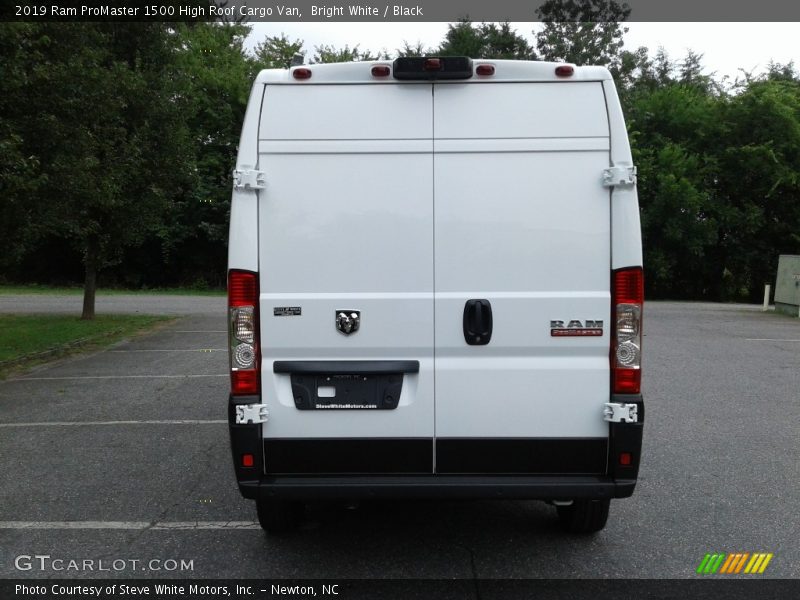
520,110
406,199
626,241
243,238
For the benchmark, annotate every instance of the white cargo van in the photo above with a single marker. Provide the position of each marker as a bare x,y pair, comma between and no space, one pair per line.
435,287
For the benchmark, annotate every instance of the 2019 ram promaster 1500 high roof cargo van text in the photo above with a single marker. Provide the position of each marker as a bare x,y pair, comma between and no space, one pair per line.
435,287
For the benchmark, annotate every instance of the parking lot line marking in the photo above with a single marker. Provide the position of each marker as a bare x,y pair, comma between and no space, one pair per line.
182,350
160,525
150,422
768,340
115,377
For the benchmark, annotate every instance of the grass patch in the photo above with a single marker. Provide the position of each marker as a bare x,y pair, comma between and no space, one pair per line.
27,340
10,290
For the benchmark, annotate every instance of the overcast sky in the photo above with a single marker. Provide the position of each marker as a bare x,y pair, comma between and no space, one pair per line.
726,46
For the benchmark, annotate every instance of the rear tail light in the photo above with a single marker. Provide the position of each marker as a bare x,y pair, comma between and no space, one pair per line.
245,359
627,300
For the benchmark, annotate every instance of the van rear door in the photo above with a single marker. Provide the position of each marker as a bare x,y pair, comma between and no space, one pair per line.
346,225
522,232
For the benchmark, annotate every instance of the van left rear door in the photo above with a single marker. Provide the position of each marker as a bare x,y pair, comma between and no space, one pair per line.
346,225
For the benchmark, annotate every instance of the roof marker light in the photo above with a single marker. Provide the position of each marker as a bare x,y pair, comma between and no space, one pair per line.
565,70
484,70
380,71
432,64
302,73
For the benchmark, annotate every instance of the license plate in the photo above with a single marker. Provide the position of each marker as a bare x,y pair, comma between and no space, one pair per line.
346,391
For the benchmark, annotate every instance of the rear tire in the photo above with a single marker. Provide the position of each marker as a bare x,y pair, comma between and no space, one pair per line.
279,516
584,516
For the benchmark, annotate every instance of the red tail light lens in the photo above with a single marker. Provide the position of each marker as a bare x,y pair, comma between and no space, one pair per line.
629,285
627,300
484,70
245,359
242,288
380,71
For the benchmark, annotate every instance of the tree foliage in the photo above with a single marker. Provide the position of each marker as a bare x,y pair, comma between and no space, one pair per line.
118,141
277,52
487,40
331,54
583,32
719,179
91,111
416,49
213,100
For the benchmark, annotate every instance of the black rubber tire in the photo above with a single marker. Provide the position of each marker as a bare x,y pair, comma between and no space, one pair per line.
584,516
279,516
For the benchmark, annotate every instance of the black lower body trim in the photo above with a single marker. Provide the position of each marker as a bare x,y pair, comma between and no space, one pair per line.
348,456
408,456
559,456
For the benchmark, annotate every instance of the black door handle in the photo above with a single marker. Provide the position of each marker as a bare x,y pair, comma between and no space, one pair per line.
477,322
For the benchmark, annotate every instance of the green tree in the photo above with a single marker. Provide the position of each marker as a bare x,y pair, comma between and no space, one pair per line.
758,184
214,89
487,40
584,32
462,39
96,118
277,52
680,226
21,174
718,180
418,49
331,54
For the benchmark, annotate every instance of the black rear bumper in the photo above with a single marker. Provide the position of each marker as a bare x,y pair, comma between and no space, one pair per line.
438,486
546,469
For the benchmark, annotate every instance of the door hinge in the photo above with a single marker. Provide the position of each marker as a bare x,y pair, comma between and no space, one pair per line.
251,413
620,413
614,176
249,179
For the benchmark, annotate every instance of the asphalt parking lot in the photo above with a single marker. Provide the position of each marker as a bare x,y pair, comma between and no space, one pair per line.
123,454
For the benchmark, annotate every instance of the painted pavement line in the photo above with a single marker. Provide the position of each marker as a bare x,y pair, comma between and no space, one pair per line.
84,423
74,377
159,525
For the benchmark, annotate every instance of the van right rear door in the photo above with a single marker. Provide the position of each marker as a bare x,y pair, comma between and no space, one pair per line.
522,231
